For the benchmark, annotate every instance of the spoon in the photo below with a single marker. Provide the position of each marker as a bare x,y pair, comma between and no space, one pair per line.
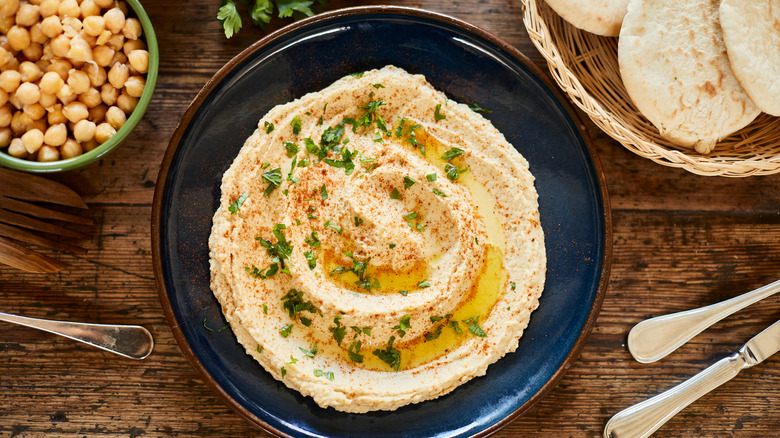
654,338
132,341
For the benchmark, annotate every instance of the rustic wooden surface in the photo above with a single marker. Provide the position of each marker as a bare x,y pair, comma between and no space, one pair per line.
680,241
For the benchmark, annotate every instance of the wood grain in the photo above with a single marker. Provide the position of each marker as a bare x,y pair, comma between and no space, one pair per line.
680,241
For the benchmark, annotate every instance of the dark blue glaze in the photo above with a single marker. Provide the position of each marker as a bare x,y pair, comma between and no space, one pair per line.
467,68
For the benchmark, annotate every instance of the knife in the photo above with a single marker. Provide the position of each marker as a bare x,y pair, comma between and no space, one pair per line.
642,419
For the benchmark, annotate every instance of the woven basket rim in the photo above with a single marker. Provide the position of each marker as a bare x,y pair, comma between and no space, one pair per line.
730,162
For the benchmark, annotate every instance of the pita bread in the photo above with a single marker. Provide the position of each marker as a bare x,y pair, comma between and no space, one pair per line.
602,17
751,31
674,65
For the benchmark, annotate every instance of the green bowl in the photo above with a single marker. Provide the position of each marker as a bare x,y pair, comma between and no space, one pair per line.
120,136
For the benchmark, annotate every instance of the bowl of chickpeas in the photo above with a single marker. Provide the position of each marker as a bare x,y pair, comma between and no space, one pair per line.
76,77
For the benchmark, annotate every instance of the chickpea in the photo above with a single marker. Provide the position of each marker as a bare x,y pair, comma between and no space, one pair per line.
51,26
69,8
6,23
71,26
103,55
60,46
18,38
75,111
84,131
98,113
118,75
16,149
131,45
49,8
78,80
27,15
109,94
116,41
39,124
132,29
36,34
56,116
29,71
18,123
104,132
105,4
89,8
9,7
97,75
103,37
3,97
80,50
56,135
36,111
139,60
90,145
9,80
5,56
135,86
116,117
48,154
70,149
94,25
33,52
47,100
32,140
126,103
119,57
5,137
5,116
12,64
66,94
28,93
51,82
91,98
115,20
61,67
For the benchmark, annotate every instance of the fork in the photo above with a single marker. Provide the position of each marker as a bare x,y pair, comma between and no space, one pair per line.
23,221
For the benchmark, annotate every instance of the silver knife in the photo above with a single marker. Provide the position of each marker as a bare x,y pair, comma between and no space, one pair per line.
642,419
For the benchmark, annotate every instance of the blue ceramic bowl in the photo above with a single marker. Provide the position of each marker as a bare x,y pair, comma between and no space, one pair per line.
469,65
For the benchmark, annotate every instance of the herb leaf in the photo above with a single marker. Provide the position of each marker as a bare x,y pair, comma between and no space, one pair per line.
229,17
389,355
296,126
452,153
235,207
408,182
437,114
269,127
273,178
395,194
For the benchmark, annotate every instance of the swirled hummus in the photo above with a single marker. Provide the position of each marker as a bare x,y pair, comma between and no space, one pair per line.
377,244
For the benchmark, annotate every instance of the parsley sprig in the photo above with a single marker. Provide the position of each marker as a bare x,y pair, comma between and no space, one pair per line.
260,11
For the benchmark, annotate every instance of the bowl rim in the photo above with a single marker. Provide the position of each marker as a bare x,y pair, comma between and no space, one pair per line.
237,60
120,136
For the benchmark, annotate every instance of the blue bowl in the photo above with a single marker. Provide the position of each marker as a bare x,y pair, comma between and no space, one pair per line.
468,64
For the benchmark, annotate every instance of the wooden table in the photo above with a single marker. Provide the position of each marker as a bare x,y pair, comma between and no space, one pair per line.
680,241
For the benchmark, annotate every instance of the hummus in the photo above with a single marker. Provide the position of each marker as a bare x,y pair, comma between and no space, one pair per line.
377,244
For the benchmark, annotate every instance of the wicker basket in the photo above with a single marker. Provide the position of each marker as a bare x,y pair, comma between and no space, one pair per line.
585,66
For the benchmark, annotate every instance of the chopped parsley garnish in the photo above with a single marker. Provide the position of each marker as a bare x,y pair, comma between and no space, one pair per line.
265,309
291,148
284,372
512,285
408,182
235,207
259,348
313,240
453,172
273,178
311,259
330,224
357,74
392,245
311,147
437,114
296,126
365,160
410,216
339,330
269,127
431,177
327,374
474,326
278,252
292,360
400,129
330,139
285,330
456,327
354,350
310,352
424,283
403,292
205,326
290,176
389,355
358,221
293,303
371,117
265,165
436,318
324,192
438,192
378,137
395,194
476,108
403,325
377,85
359,269
452,153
